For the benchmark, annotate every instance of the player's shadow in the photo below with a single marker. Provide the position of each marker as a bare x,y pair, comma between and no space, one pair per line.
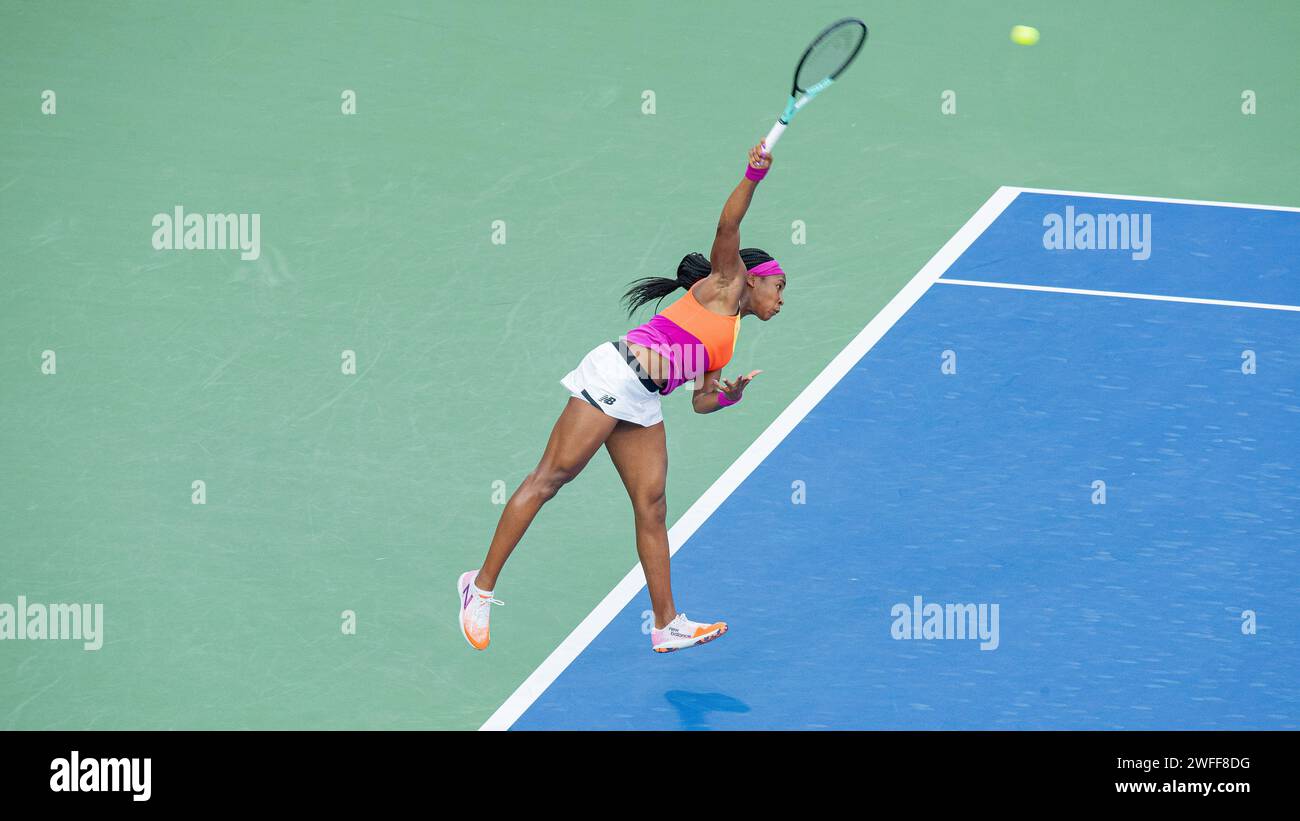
693,707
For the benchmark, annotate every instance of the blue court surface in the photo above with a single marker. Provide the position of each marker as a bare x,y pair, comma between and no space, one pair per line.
959,460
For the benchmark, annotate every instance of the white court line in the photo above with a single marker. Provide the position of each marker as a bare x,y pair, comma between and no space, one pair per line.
685,527
618,598
1156,199
1122,294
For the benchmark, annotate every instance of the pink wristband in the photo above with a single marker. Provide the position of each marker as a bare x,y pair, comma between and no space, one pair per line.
723,401
755,174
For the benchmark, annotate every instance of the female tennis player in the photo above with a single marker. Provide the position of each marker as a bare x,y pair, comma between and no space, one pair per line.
615,402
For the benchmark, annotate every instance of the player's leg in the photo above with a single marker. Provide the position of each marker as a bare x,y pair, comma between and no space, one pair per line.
640,454
577,435
641,457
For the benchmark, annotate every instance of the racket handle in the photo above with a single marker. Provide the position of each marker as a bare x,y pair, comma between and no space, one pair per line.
773,135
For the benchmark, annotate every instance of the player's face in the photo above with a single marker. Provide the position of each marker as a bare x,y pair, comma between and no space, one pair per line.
769,296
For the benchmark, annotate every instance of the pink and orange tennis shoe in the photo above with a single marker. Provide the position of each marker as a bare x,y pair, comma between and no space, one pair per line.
475,610
681,633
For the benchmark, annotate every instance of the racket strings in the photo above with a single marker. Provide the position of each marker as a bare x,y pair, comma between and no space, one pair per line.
830,55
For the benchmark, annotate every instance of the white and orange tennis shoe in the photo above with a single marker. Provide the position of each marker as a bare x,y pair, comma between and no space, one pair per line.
681,633
475,610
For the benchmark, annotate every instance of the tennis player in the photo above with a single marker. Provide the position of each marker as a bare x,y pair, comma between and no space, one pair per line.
615,401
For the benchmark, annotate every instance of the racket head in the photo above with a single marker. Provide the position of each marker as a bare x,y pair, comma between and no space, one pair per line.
830,53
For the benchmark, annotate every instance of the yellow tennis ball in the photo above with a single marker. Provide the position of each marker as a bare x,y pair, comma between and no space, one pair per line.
1024,35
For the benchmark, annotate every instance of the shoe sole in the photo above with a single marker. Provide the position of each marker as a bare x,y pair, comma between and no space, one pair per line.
705,639
460,613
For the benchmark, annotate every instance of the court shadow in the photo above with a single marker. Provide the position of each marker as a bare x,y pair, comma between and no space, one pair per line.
693,707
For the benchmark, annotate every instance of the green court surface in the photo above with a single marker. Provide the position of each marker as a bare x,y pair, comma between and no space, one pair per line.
328,492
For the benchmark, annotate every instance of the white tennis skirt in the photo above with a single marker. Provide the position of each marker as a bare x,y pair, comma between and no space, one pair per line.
611,384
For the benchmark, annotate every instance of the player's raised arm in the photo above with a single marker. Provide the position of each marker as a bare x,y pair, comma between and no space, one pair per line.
725,259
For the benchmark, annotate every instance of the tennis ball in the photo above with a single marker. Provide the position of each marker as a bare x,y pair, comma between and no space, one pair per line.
1024,35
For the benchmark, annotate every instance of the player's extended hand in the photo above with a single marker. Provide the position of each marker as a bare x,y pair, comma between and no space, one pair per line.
759,158
735,389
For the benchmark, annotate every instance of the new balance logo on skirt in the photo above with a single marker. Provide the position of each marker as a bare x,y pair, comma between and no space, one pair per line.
607,399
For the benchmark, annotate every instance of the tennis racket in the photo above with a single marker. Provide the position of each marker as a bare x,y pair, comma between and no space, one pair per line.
821,64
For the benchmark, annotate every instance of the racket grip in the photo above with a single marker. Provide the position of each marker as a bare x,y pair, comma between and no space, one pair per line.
773,135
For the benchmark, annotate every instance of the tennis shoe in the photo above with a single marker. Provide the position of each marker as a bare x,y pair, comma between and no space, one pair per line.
681,633
475,610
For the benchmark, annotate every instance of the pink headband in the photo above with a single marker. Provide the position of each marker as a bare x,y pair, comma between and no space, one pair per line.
766,269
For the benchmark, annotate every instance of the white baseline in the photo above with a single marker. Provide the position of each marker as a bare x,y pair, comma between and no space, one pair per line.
1136,198
1015,286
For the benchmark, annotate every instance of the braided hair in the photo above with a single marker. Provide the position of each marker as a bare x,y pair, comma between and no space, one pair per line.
693,268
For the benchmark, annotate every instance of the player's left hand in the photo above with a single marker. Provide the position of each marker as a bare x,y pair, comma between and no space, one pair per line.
734,389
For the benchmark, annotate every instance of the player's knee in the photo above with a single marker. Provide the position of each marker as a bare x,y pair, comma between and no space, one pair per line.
651,507
548,479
